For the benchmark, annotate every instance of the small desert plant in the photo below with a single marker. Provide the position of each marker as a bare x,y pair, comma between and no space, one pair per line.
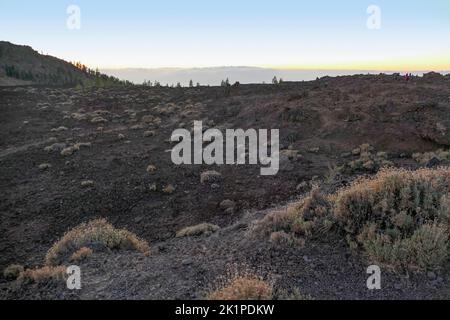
425,249
151,169
368,161
243,288
285,239
87,183
424,158
279,220
68,151
81,254
98,120
198,230
332,173
428,246
94,233
80,145
169,189
44,166
210,176
294,294
13,271
300,220
43,274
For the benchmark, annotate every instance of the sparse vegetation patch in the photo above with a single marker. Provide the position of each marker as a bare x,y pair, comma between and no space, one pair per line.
400,218
94,234
198,230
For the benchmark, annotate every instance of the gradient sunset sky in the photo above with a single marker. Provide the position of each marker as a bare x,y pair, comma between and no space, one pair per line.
319,34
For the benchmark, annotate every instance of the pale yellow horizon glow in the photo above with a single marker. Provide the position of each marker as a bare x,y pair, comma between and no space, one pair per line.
399,63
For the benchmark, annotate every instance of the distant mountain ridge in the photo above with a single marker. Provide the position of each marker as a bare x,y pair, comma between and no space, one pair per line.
214,75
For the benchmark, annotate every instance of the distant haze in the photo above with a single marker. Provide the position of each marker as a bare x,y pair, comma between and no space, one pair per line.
214,76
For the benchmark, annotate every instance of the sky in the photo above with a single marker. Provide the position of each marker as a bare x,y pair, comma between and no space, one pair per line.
284,34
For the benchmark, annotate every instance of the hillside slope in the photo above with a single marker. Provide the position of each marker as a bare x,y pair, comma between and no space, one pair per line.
23,65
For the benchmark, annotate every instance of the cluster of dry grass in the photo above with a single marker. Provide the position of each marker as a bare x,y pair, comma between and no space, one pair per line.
81,254
94,233
43,274
243,288
210,176
241,283
424,158
369,160
75,246
198,230
37,275
299,221
400,218
13,271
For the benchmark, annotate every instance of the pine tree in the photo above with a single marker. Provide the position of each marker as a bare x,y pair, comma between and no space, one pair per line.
274,80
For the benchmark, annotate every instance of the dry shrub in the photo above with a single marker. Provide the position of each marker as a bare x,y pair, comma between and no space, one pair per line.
424,158
68,151
169,189
98,120
81,145
279,220
369,160
425,249
150,119
243,289
210,176
13,271
151,169
81,254
43,274
392,192
59,129
94,233
428,246
44,166
444,211
282,238
399,216
293,294
198,230
79,116
300,220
